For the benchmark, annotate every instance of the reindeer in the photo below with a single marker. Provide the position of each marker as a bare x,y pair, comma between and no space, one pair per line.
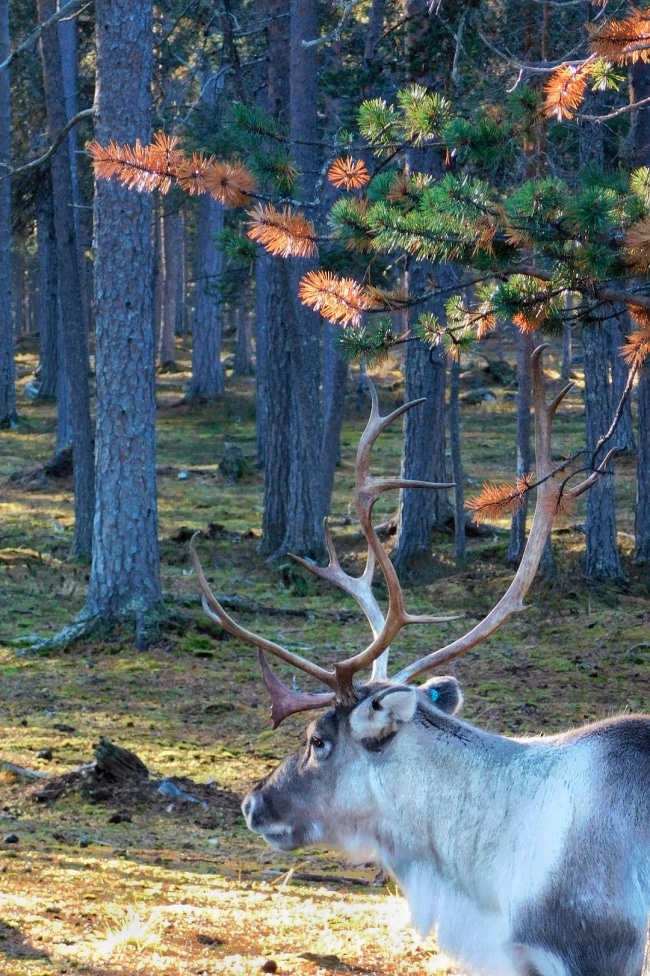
530,856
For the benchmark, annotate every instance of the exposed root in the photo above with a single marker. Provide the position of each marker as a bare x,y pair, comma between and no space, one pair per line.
143,628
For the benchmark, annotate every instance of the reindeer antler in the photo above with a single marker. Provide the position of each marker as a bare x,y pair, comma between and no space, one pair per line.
286,700
551,490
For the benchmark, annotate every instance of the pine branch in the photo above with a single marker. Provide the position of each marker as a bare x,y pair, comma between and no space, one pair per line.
339,300
161,164
62,13
564,91
494,500
85,113
623,41
284,233
349,173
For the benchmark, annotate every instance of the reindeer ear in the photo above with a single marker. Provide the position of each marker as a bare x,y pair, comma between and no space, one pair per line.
383,713
444,693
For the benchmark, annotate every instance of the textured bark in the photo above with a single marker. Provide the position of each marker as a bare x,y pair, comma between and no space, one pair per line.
525,345
278,319
207,373
74,334
125,568
171,251
421,509
262,358
48,324
67,31
335,382
8,415
623,439
424,372
291,375
243,361
275,100
602,561
305,510
460,536
18,293
374,31
642,515
641,141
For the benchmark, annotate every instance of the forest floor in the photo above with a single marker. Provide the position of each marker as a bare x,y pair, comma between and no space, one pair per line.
162,876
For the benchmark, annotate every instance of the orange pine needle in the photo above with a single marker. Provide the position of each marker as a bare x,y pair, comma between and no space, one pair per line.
494,501
349,173
623,41
637,245
191,174
284,233
230,183
128,164
564,91
530,320
164,153
637,348
339,300
485,324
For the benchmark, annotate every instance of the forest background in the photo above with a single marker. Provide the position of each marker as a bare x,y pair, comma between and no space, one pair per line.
461,200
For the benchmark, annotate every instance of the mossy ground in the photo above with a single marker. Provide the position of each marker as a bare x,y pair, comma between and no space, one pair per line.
114,884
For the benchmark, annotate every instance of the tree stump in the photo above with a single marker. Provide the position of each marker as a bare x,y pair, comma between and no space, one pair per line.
118,764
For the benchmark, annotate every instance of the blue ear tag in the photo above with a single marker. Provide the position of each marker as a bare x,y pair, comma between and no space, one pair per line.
433,694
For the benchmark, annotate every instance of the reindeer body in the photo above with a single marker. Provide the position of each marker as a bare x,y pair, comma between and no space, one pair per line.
531,856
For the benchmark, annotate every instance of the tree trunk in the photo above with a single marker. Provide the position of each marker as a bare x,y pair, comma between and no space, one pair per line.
624,435
262,357
424,371
75,339
172,276
275,100
293,497
456,460
67,31
48,317
642,515
8,414
278,320
17,285
305,510
525,346
243,362
125,570
207,375
641,142
335,382
601,559
421,509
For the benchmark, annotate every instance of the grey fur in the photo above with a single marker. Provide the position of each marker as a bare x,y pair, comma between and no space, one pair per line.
530,856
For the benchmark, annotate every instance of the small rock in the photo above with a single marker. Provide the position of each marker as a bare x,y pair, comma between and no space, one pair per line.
208,939
270,966
11,839
118,817
44,754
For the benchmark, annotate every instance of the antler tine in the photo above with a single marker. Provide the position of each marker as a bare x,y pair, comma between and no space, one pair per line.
217,613
367,491
358,587
549,492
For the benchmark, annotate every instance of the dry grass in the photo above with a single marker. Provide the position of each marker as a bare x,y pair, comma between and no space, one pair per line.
108,883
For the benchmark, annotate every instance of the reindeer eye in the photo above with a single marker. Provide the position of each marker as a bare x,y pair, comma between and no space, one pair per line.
316,742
